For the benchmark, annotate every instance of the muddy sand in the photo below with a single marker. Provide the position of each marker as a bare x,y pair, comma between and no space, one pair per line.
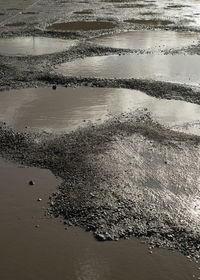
127,177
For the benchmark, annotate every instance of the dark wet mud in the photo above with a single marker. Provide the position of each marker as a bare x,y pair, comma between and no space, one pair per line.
81,26
84,12
149,22
17,24
177,6
29,13
133,6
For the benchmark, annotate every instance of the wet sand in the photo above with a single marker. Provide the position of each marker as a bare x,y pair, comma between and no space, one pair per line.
37,247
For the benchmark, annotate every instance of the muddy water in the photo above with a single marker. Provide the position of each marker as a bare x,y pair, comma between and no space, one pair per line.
84,12
173,68
149,22
35,247
17,24
148,39
33,45
81,26
66,109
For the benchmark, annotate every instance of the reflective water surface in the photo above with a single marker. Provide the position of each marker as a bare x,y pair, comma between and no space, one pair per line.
35,247
65,109
174,68
148,39
33,45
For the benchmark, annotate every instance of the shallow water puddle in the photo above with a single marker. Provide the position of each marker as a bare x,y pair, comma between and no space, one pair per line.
27,235
17,24
81,26
154,22
66,109
19,46
84,12
148,39
172,68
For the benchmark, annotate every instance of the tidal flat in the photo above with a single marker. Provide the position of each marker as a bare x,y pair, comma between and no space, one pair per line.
99,109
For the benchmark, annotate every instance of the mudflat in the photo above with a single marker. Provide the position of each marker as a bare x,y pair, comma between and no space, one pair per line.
130,175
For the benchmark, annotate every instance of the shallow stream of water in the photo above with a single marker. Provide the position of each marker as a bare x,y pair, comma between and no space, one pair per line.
65,109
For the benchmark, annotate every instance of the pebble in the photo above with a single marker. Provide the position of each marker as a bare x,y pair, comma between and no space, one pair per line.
31,183
39,199
54,87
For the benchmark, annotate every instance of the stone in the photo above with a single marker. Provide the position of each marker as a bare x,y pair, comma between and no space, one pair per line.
31,183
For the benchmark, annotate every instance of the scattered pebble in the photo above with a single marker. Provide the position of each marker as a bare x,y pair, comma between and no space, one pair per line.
31,183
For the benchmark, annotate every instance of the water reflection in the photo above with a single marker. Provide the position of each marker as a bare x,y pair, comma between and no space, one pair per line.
148,39
174,68
33,45
91,266
68,108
